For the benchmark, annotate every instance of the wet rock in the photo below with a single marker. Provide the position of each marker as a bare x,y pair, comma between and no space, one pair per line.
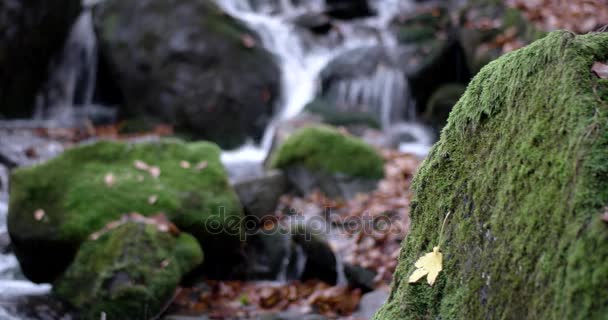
334,116
317,23
370,303
321,263
23,147
521,167
130,272
259,196
359,277
324,158
57,205
35,306
335,185
268,254
431,54
33,32
442,102
348,9
199,70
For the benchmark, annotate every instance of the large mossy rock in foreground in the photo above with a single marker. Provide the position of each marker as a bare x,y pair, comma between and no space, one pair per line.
325,158
523,168
57,205
129,272
191,65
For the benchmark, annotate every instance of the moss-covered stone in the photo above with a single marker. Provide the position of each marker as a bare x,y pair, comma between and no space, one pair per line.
333,116
77,199
523,168
130,272
326,149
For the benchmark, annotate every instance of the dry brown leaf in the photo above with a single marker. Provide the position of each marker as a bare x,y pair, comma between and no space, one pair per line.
184,164
109,179
600,70
39,214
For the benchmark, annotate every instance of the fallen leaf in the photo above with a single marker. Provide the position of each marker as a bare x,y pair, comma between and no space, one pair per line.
201,165
109,179
152,199
154,172
429,265
600,70
248,41
140,165
185,164
39,214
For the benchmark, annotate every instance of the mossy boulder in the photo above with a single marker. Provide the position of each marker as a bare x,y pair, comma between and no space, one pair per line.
129,272
55,206
321,157
190,65
522,166
333,115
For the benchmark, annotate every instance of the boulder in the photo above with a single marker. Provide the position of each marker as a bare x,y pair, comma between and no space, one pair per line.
317,23
260,196
334,116
432,55
442,101
32,33
129,272
325,158
348,9
56,205
190,65
522,169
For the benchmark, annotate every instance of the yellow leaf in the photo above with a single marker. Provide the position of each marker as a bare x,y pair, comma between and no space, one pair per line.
428,265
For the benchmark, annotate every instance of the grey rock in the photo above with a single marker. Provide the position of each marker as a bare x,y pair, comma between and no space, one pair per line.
22,147
32,32
359,277
190,65
259,196
370,303
333,185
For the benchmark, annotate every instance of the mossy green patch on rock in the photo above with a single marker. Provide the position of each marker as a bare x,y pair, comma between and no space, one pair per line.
327,149
130,272
333,116
86,187
523,168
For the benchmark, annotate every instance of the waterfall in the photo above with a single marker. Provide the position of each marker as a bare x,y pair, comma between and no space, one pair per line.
301,60
67,96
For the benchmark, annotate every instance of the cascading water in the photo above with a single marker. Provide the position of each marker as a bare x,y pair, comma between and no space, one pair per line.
67,96
302,58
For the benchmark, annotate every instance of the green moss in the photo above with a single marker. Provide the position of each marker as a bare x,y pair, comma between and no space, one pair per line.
129,272
522,167
327,149
72,191
338,118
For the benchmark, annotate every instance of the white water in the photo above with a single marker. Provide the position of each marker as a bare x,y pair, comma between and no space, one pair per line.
302,57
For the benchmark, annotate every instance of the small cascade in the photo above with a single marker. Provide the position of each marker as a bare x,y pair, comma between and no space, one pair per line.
301,58
378,93
67,96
